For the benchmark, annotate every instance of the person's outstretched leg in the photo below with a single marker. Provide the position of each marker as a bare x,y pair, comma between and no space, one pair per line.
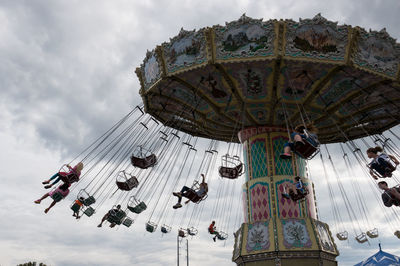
42,198
102,220
51,206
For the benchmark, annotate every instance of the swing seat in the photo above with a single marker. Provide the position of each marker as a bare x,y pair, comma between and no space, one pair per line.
68,178
127,222
151,227
306,151
128,185
140,207
362,238
182,233
116,217
165,229
89,201
89,211
75,207
57,196
145,162
222,235
192,231
193,197
342,235
397,234
231,172
373,233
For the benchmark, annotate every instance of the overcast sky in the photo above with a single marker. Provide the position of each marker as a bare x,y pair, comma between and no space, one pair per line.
67,74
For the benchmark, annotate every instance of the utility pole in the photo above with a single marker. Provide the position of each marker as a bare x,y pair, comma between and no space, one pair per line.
187,252
177,248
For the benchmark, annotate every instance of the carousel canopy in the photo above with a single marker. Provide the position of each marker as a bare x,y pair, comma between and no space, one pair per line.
217,80
381,258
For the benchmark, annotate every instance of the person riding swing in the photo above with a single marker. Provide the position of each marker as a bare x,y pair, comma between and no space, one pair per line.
192,194
381,163
301,191
297,139
390,196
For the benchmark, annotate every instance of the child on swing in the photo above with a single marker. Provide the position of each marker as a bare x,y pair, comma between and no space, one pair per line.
381,163
301,133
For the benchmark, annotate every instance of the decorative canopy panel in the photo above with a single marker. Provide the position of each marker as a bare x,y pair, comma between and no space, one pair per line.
215,81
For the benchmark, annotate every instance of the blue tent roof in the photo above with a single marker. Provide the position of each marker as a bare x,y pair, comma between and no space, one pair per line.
381,258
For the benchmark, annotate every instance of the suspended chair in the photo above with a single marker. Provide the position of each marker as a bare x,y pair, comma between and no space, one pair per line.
309,149
68,175
75,207
89,211
136,206
151,227
127,222
165,229
192,231
126,181
342,235
231,167
362,238
222,235
373,233
143,158
392,167
397,234
192,195
57,196
182,232
116,216
88,200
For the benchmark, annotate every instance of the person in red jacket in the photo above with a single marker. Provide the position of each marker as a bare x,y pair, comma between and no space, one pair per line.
213,231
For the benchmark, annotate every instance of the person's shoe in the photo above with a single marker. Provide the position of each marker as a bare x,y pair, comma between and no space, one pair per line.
37,201
48,186
177,194
46,210
46,182
214,238
286,156
177,206
99,225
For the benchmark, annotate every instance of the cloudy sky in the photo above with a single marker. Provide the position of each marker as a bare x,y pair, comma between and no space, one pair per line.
67,74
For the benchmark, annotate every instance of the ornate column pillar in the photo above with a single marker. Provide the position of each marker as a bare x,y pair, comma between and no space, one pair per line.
278,231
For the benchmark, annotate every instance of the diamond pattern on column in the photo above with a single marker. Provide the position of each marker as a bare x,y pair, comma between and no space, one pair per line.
260,201
282,166
258,158
286,207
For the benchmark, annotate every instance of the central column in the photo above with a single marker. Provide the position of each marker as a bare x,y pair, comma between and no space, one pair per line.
278,231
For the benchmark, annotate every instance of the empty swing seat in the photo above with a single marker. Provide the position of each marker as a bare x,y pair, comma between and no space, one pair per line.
192,231
138,208
145,162
89,201
89,211
127,184
182,233
342,235
127,222
373,233
231,172
151,227
362,238
165,229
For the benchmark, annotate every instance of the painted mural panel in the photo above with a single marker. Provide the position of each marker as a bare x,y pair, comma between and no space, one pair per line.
258,237
244,38
378,52
324,236
151,70
295,234
185,50
260,201
316,38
